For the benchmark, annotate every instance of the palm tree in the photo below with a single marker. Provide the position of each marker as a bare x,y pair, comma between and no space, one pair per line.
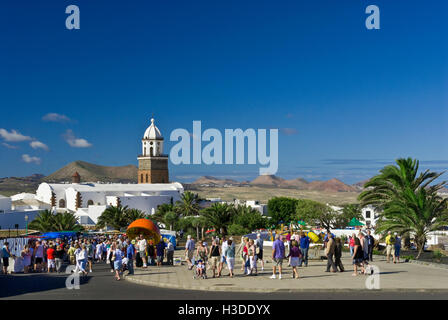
418,213
162,210
114,217
219,216
409,200
170,219
188,204
43,222
134,214
66,221
393,180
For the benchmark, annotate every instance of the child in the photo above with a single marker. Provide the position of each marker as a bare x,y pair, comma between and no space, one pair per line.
200,269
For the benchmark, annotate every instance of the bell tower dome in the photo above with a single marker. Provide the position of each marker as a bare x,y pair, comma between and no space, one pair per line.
152,163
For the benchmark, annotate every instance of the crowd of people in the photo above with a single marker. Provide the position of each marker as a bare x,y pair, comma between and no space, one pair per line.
123,254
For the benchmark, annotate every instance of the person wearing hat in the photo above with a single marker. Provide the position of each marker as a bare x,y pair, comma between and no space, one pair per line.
130,254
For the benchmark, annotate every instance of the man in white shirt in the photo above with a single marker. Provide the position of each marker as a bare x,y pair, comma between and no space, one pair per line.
142,244
224,246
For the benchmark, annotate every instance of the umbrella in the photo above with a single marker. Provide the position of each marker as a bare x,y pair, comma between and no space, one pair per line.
301,222
144,227
355,223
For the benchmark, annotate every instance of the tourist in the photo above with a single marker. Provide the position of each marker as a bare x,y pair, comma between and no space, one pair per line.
82,259
38,257
6,253
397,247
390,243
329,252
278,254
51,258
130,254
365,249
170,253
189,251
304,247
215,254
371,244
160,248
200,269
26,256
223,257
59,257
151,253
117,257
142,243
240,252
252,258
357,257
338,254
295,255
202,252
71,254
246,263
230,256
259,246
90,253
351,244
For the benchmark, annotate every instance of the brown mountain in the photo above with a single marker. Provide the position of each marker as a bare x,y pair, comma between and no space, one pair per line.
332,185
90,172
214,181
268,180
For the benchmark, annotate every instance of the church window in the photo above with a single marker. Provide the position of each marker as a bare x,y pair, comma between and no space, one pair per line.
141,177
62,203
146,178
90,203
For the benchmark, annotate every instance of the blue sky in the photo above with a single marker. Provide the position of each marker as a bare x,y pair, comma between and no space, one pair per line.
347,100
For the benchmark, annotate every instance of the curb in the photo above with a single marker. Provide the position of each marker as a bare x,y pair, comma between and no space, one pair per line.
255,290
430,264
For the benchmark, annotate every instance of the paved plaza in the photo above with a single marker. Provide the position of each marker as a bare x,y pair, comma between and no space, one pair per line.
394,277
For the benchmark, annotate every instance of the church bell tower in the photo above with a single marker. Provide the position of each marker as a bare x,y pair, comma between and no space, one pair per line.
152,163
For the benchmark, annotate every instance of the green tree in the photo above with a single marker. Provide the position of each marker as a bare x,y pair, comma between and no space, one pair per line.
316,213
248,218
282,209
219,216
170,219
188,204
66,221
134,214
409,200
43,221
349,211
114,217
162,210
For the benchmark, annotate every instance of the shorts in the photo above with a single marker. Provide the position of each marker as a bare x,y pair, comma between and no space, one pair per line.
357,261
39,260
278,262
295,261
190,254
230,263
223,259
51,263
90,258
5,262
118,265
260,254
214,261
389,250
159,259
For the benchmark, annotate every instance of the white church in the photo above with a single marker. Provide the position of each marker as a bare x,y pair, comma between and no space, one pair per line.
89,200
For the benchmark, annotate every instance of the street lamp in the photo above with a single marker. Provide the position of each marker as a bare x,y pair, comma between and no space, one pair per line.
26,225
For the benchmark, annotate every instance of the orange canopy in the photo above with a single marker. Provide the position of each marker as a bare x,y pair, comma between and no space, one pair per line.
144,227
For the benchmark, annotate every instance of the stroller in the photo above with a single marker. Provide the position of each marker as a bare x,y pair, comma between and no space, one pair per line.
196,269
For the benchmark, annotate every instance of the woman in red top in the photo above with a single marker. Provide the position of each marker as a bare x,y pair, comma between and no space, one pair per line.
352,245
50,258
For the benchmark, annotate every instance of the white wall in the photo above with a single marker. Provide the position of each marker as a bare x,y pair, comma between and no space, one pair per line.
5,204
8,220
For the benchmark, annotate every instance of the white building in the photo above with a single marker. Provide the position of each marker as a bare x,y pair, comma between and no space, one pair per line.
89,200
370,216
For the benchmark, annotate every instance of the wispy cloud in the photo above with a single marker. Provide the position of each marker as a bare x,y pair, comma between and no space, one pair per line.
289,131
74,142
39,145
13,136
56,117
28,159
6,145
